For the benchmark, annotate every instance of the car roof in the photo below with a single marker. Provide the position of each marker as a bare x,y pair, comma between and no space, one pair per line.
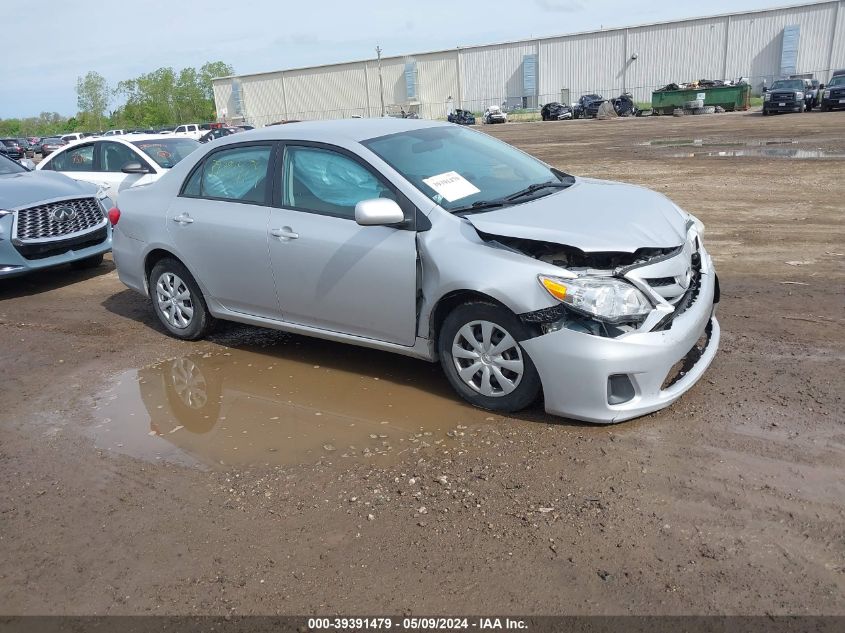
355,130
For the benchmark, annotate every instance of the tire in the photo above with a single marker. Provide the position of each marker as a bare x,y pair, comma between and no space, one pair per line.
88,262
517,383
191,320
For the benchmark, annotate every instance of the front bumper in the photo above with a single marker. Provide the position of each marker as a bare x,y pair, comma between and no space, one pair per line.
789,106
833,103
14,264
574,367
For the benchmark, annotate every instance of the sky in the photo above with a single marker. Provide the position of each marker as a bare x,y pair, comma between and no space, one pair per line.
121,39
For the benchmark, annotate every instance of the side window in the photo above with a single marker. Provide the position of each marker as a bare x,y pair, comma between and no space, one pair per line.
113,156
79,158
238,174
193,186
181,128
327,182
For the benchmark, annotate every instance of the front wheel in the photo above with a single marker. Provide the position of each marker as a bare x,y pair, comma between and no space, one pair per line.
480,353
178,302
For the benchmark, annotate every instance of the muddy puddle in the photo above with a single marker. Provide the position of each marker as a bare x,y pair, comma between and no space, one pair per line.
293,404
700,142
766,152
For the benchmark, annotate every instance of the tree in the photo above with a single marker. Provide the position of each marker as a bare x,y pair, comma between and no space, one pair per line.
92,98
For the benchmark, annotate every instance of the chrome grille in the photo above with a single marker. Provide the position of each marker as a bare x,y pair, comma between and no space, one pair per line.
58,219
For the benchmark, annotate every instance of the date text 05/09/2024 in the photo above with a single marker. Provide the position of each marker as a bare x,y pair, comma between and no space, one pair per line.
417,623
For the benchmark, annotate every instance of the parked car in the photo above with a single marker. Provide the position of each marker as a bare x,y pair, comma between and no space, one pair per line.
47,219
461,117
785,95
219,132
69,138
118,132
50,144
555,111
624,105
438,242
494,114
191,130
118,163
246,128
28,148
812,97
587,106
12,148
833,94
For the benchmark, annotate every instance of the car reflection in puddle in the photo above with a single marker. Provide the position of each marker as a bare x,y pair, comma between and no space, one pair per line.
243,407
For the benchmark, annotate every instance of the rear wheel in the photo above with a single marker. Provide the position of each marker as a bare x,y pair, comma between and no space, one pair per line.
178,302
480,353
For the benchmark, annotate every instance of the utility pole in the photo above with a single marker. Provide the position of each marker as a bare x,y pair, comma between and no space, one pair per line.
380,81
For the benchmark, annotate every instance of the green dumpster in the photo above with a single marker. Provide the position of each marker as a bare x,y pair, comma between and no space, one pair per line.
729,97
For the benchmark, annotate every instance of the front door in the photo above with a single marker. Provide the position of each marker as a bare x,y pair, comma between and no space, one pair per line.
218,225
330,272
112,158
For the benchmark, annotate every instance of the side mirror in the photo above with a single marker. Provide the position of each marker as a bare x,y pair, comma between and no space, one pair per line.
134,168
378,212
765,88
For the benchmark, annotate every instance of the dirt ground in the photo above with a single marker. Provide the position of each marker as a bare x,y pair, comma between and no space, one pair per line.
259,473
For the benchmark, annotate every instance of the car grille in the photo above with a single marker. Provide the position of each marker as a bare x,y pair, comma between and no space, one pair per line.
783,96
837,93
46,221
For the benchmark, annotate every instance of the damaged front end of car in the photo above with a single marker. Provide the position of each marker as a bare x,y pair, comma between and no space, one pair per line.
649,317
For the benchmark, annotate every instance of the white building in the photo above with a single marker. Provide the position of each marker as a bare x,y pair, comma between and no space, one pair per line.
807,39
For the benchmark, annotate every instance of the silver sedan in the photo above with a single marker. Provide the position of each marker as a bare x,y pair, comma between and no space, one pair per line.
438,242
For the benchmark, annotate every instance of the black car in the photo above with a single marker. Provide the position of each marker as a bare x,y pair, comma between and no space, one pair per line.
461,117
12,148
624,105
588,106
833,94
555,111
219,132
50,144
785,95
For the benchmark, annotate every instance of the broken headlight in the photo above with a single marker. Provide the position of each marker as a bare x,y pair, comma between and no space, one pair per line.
605,299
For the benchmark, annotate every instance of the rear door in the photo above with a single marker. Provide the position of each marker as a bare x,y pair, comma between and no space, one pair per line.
78,162
218,226
330,272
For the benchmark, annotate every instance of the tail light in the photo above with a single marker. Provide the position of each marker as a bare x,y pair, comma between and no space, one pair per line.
114,216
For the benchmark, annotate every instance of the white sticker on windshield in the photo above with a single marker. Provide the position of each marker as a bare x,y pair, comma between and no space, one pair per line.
451,186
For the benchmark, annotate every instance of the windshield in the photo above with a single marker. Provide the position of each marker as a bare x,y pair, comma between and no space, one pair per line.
8,166
788,84
839,80
167,151
456,167
52,140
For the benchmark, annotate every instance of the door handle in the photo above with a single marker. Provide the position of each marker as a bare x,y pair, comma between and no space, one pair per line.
183,218
284,233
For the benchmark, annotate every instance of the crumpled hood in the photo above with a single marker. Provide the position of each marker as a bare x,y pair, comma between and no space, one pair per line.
28,188
593,216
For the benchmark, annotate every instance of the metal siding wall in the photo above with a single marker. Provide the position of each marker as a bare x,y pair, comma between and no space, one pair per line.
263,98
755,42
222,93
582,63
437,77
493,74
837,47
330,92
673,53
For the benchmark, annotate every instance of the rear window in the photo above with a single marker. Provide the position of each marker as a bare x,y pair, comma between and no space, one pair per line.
168,151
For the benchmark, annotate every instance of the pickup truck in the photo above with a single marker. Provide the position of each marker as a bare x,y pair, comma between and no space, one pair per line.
191,130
